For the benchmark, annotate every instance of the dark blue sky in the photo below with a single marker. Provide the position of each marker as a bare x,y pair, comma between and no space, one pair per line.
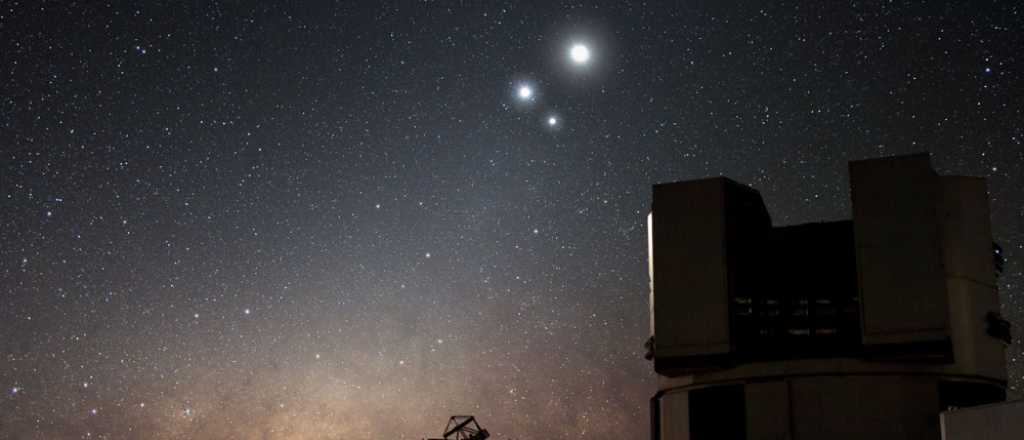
337,221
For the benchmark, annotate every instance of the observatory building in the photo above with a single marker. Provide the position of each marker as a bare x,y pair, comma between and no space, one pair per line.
854,329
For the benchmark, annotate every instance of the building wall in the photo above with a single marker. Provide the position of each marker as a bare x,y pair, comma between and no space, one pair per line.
826,407
899,251
686,324
1002,421
970,275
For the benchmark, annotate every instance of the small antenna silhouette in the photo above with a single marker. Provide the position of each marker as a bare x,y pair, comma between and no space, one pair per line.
463,428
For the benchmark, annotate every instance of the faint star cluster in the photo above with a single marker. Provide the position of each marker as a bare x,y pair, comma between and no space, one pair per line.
346,220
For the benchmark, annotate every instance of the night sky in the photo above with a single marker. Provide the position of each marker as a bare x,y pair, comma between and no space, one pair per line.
251,220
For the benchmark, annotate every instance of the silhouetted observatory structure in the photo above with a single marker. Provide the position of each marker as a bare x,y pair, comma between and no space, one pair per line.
855,329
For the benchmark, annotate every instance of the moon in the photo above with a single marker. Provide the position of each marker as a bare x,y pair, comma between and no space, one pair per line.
552,121
579,53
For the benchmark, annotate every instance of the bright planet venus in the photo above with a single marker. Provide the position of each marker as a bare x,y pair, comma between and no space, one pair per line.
579,53
525,92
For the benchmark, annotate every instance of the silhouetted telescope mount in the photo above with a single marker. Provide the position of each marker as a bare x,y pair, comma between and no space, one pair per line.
463,428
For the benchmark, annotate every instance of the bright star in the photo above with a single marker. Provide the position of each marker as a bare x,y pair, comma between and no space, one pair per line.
525,92
579,53
552,121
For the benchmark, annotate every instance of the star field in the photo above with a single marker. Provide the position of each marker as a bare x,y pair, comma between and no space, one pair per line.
346,220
